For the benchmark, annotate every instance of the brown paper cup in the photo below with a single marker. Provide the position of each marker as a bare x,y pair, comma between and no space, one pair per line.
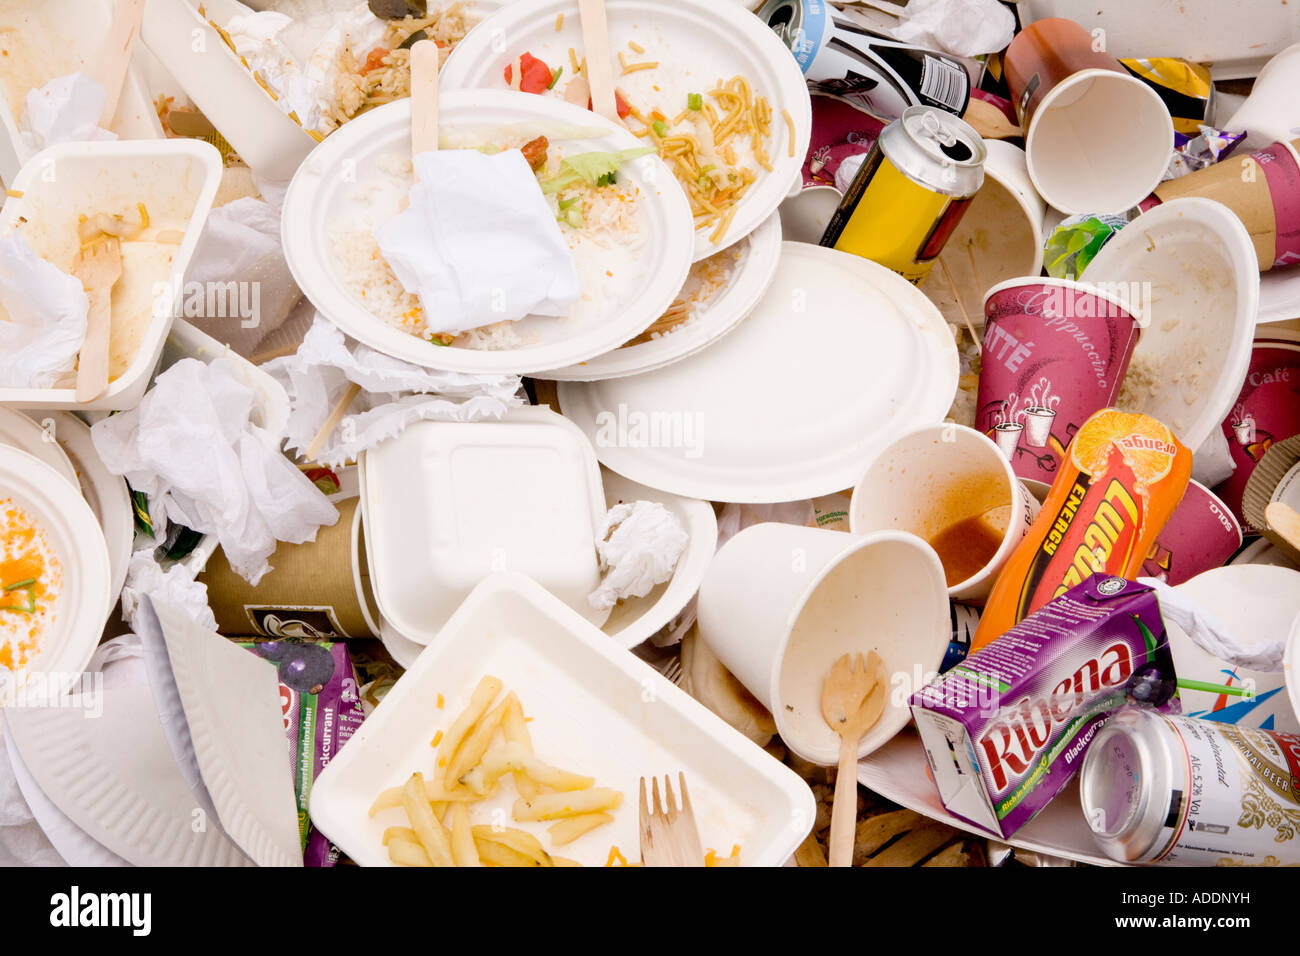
1097,139
317,590
1262,189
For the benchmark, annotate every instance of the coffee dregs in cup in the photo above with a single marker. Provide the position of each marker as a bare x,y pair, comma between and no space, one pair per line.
1007,728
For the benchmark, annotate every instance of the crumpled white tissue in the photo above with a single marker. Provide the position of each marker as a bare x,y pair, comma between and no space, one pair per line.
256,39
45,317
176,586
479,243
961,27
241,242
639,545
319,373
1211,636
64,110
190,439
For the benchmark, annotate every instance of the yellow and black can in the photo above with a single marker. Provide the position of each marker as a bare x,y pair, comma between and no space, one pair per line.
912,190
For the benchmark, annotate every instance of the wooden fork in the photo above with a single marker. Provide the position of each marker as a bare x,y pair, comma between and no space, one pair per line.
669,838
99,267
853,699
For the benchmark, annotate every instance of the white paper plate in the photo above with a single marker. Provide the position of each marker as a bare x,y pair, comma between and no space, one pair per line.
448,503
70,841
106,493
21,432
595,709
343,182
696,42
839,358
112,774
897,771
76,538
1204,297
637,619
758,255
233,711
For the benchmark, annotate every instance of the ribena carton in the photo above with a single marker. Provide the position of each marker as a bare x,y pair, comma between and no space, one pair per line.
1007,728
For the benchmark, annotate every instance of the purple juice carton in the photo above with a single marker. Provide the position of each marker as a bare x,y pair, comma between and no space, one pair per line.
321,705
1006,729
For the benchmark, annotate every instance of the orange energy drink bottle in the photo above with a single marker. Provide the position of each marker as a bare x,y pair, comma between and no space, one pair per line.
1124,475
912,190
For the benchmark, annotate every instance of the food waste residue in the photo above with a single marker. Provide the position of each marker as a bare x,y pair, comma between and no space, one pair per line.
30,582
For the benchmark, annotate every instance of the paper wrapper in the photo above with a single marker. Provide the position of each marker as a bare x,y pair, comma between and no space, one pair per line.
316,591
1262,189
1275,478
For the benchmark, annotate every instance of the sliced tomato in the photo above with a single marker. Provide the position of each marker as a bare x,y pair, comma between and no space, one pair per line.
620,104
374,59
536,75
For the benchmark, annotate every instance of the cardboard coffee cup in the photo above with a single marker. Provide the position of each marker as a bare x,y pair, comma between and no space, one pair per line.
1097,138
1201,534
1054,352
1262,189
316,590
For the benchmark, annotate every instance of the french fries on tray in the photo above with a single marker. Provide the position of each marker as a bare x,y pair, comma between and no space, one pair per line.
484,746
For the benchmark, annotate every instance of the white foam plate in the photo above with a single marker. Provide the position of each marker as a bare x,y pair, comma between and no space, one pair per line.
76,539
106,493
637,619
897,771
756,255
22,433
595,709
112,774
343,184
696,44
1204,298
448,503
840,357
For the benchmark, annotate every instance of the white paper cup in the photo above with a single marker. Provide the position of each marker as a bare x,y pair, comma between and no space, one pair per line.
781,603
805,215
1268,114
1099,142
999,237
934,477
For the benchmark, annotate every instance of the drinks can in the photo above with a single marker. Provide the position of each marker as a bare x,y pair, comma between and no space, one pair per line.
1159,788
963,619
878,74
912,190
